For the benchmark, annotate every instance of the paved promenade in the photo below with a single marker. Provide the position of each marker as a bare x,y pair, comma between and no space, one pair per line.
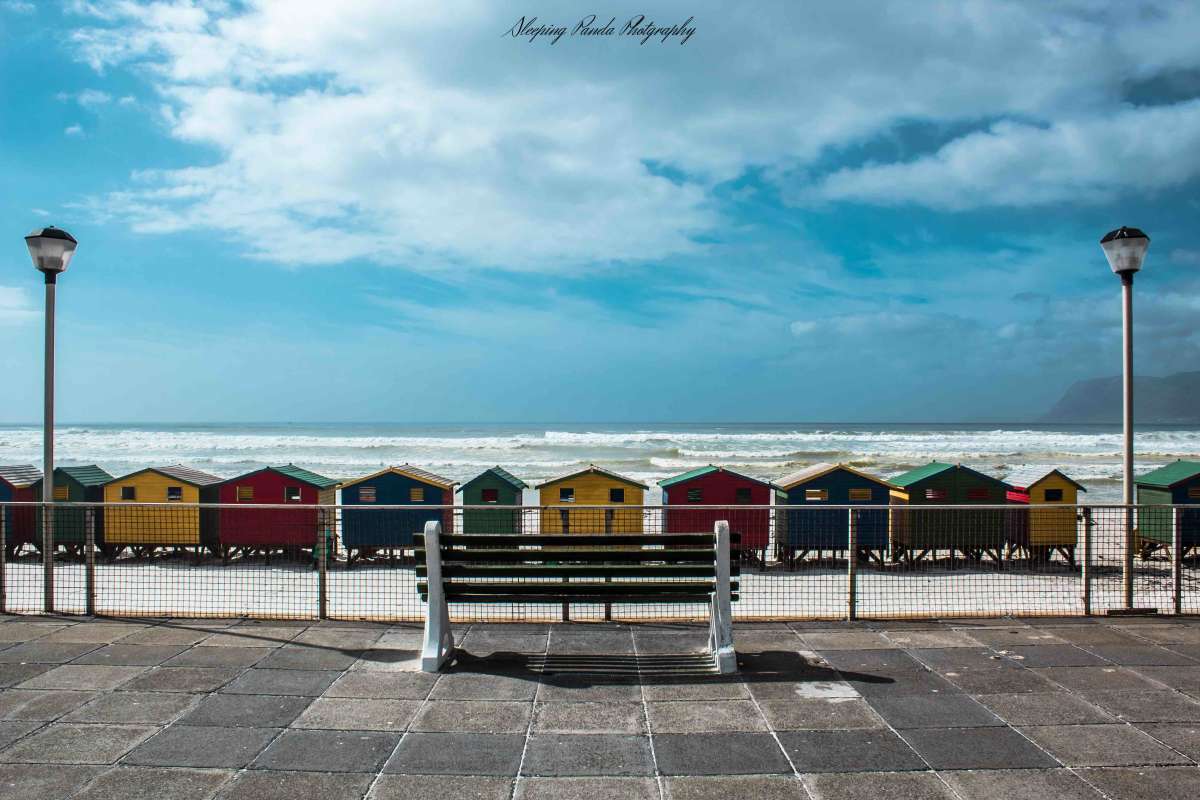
165,709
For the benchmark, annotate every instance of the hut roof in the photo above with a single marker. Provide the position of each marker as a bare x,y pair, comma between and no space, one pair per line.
1171,475
817,470
20,475
304,476
502,474
409,471
1028,478
936,468
90,475
179,472
700,471
593,469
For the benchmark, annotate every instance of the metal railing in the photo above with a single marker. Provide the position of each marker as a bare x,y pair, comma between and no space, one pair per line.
796,562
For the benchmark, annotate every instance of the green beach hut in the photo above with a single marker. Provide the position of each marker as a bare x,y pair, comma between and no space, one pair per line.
917,533
76,485
1175,484
493,487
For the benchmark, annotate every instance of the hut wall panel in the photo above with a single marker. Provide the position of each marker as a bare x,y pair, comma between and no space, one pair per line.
592,490
944,529
70,524
806,529
503,517
276,527
161,526
1053,527
1155,524
20,524
392,528
720,489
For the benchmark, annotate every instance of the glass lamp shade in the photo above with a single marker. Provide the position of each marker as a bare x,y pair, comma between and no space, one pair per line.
1125,248
51,249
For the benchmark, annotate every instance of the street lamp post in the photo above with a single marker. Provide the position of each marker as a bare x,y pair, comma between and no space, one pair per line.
51,250
1125,249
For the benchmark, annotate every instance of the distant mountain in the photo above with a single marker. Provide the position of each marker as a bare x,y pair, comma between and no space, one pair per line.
1171,399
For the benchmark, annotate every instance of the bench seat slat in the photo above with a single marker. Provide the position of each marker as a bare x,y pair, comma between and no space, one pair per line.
578,588
574,539
618,599
565,555
576,570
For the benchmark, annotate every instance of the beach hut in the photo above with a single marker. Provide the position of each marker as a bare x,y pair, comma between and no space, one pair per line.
76,485
803,526
246,528
1175,484
685,494
592,486
501,491
1041,531
144,528
16,486
367,530
974,533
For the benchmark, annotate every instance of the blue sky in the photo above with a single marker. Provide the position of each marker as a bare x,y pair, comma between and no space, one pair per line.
372,211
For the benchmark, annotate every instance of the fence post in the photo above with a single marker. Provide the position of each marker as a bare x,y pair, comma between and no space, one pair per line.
1177,562
1127,561
48,557
1085,566
3,557
323,567
852,565
89,556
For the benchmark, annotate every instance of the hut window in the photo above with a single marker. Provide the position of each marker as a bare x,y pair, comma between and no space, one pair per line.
741,496
935,494
490,496
815,494
62,493
174,494
860,494
566,495
977,493
366,494
695,496
416,495
616,495
245,494
1053,496
129,493
291,494
1194,493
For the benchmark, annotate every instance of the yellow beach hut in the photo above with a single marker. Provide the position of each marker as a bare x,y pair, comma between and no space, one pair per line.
146,527
1043,530
561,499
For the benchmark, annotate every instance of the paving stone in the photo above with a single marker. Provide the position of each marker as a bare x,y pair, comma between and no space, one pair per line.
151,783
941,659
344,639
148,708
1092,635
1148,706
306,683
1053,708
195,746
805,690
1181,736
42,652
721,716
722,787
218,657
383,660
746,641
131,655
43,781
436,787
354,714
95,632
246,711
1171,783
328,751
167,635
593,754
582,688
383,686
837,713
977,748
589,717
64,743
251,637
38,704
1192,651
477,686
1020,784
1002,678
1142,656
14,674
26,631
1169,633
933,711
846,640
486,643
921,682
265,785
83,678
933,639
1005,638
1053,655
1101,745
606,788
847,751
473,716
183,679
1185,679
458,754
719,754
12,730
1099,679
878,786
310,658
696,641
712,688
601,643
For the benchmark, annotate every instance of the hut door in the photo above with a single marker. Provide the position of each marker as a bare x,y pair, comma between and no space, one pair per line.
565,520
608,520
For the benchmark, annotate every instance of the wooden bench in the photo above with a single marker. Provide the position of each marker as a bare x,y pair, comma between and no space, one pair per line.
579,568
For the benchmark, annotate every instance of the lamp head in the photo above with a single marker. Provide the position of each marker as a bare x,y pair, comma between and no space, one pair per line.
1125,248
51,249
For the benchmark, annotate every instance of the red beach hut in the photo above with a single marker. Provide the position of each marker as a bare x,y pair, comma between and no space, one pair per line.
263,530
16,486
718,486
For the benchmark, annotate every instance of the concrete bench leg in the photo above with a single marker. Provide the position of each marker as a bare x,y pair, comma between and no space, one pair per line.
720,631
438,646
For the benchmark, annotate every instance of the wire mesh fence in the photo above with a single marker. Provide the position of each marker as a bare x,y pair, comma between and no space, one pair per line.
794,562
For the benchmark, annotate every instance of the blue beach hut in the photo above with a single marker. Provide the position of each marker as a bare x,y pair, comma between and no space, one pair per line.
367,530
803,526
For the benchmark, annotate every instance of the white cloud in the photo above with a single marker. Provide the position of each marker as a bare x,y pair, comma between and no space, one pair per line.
73,130
15,307
90,98
18,6
361,130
